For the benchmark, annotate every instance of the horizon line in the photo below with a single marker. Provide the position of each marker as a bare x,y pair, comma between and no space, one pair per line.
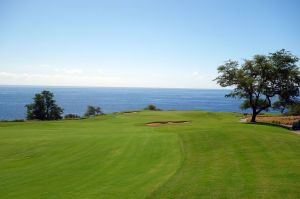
84,86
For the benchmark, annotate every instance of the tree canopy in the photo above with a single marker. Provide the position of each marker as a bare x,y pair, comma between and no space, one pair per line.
44,107
93,111
152,107
261,79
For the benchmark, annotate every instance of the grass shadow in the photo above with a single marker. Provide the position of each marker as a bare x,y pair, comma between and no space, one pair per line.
269,124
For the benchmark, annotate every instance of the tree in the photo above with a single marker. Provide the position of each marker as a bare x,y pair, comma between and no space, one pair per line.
71,116
44,107
259,80
93,111
152,107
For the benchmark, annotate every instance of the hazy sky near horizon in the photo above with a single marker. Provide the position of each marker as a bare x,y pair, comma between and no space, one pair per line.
141,43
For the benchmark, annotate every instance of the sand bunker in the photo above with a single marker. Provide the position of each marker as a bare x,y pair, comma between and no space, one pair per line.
159,123
130,112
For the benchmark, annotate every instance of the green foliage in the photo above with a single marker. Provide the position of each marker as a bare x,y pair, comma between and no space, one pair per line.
258,80
152,107
15,120
213,156
72,116
93,111
294,109
279,105
260,104
44,107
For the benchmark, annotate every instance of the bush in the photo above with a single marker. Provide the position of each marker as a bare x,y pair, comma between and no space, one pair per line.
275,122
15,120
294,109
93,111
152,107
18,120
72,116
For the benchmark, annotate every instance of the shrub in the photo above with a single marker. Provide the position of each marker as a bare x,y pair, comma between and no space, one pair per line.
275,122
18,120
294,109
71,116
93,111
152,107
15,120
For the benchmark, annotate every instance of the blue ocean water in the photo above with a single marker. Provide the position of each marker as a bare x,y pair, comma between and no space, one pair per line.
75,99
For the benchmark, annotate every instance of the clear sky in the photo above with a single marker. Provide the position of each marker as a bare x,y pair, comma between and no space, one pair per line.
142,43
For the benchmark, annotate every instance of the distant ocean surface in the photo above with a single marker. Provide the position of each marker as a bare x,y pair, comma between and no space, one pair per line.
75,99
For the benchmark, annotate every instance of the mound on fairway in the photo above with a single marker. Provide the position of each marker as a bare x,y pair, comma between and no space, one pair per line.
118,156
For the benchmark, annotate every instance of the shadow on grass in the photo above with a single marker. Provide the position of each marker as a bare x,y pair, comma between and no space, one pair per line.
269,124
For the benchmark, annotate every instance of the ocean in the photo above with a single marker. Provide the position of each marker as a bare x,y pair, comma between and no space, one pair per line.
75,99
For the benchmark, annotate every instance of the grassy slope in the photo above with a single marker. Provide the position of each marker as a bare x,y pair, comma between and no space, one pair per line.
117,156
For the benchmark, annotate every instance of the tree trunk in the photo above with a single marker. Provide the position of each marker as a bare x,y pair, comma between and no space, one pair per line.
254,114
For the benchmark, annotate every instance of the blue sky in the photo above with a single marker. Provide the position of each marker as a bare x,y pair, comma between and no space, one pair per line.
153,43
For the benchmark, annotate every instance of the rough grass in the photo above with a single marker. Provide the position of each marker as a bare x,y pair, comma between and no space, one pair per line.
276,119
118,156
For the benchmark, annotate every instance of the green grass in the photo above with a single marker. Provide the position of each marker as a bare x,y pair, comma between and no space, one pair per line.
117,156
